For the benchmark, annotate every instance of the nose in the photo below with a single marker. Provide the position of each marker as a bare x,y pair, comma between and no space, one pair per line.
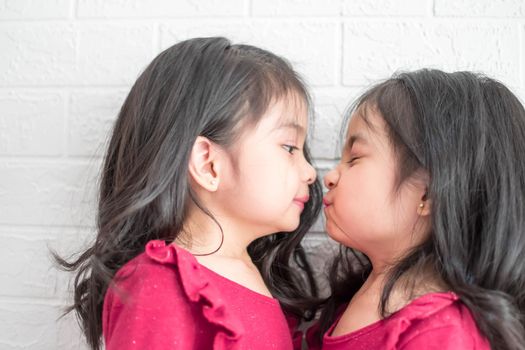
310,173
331,178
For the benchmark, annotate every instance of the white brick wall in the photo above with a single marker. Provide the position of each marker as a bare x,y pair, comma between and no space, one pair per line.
66,66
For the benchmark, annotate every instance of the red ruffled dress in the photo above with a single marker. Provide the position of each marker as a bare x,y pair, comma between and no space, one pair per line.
165,299
438,321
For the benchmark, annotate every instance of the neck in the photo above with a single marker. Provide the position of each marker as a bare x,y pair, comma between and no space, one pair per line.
201,236
412,284
374,283
382,263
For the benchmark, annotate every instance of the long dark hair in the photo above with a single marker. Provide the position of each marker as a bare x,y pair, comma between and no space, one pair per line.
199,87
468,132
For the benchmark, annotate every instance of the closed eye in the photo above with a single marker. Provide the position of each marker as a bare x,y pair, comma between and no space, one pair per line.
290,149
353,159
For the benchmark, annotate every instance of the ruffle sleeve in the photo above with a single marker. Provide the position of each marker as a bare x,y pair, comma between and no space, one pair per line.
200,291
410,317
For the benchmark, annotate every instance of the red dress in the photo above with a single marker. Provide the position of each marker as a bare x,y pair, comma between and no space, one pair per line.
437,321
164,299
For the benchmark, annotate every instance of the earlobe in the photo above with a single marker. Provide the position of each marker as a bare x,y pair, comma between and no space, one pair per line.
424,207
203,164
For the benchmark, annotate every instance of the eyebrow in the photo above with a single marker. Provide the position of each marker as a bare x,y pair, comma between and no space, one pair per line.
359,138
294,126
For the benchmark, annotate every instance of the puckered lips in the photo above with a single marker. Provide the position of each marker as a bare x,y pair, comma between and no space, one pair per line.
300,201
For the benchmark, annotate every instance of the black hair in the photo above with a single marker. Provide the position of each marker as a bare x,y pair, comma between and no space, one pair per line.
467,131
198,87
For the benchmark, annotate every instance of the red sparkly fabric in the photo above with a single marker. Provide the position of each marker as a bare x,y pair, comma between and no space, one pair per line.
437,321
164,299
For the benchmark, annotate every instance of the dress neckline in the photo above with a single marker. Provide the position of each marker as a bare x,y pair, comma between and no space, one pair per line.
419,301
238,286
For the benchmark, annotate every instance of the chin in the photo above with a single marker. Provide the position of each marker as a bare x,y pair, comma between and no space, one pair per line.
335,233
289,227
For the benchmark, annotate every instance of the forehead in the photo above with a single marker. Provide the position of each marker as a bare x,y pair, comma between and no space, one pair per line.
289,112
366,127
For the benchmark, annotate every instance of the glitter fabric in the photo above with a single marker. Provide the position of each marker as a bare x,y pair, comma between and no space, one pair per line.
164,299
433,321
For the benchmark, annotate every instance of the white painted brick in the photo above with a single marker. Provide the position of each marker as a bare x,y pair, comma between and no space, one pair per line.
35,9
480,8
47,194
26,265
326,131
25,270
330,107
374,50
296,7
91,119
386,7
310,46
33,56
36,326
31,123
159,8
520,93
119,58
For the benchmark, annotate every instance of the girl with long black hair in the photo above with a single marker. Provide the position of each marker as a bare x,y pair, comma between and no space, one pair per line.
206,192
428,202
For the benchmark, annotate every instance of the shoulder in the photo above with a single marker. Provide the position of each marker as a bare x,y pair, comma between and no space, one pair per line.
164,286
154,272
149,284
162,272
438,321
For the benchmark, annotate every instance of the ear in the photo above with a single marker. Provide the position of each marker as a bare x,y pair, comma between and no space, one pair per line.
204,166
425,205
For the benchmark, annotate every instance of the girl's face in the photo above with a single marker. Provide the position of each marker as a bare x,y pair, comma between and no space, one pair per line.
363,209
266,186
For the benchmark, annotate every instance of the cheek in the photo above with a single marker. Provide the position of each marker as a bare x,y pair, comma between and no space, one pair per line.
267,182
362,208
362,190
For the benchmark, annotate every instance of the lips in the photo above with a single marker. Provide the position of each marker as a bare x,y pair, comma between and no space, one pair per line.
300,201
326,202
303,199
